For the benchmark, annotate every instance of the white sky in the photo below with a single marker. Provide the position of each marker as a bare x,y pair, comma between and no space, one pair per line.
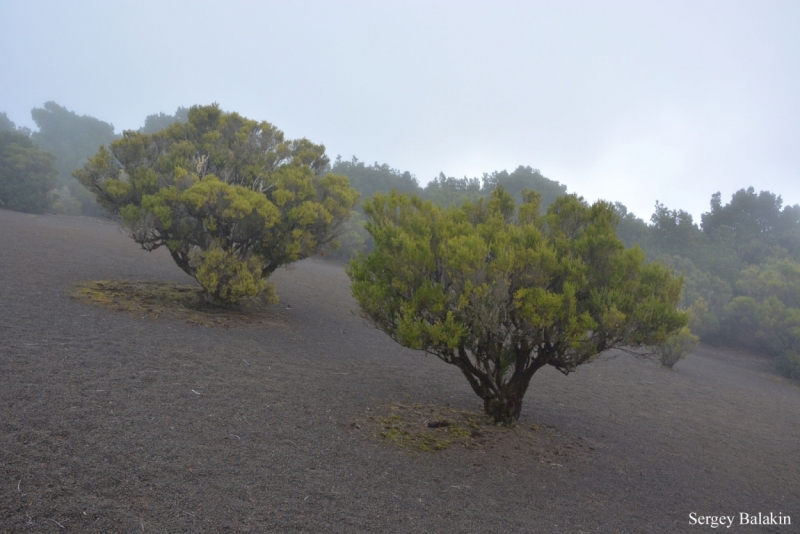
629,101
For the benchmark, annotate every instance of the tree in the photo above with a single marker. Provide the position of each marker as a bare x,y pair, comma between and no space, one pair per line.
27,174
760,227
449,191
631,230
157,122
524,178
72,138
501,291
6,124
375,178
229,197
674,231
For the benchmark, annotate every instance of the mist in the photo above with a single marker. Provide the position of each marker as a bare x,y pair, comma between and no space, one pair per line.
618,100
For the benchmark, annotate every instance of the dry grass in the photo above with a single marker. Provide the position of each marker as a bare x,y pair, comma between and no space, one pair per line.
432,428
153,299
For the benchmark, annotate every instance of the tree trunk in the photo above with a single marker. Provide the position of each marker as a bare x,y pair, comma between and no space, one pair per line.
504,410
502,403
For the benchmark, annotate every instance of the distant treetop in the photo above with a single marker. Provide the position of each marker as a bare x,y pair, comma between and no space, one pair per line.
157,122
375,178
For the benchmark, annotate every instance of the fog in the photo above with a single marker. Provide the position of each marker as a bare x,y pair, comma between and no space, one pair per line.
627,101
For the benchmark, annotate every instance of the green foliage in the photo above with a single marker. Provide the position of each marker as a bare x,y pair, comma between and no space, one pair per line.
631,230
449,191
354,238
766,314
6,124
741,271
779,279
442,190
756,219
674,232
521,179
27,174
157,122
501,291
229,197
227,278
375,178
705,294
72,138
677,347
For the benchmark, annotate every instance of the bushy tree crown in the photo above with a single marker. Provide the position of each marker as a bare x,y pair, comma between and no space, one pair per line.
230,197
501,291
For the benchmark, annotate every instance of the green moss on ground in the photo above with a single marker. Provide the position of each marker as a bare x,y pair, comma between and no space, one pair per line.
153,299
435,428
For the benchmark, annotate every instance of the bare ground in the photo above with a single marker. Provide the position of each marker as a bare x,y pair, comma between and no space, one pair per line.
118,422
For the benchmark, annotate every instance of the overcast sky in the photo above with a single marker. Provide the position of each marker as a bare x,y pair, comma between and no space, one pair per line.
629,101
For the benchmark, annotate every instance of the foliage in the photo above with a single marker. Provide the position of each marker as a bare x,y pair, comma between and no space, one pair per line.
449,191
229,197
443,190
674,231
677,347
521,179
6,124
756,219
766,314
375,178
631,230
157,122
27,174
501,291
705,294
72,138
741,271
353,239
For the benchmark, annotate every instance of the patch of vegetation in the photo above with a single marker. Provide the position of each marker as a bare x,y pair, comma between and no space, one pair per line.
677,347
178,301
430,428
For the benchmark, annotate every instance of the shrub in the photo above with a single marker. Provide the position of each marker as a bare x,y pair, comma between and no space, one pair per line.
677,347
501,291
229,197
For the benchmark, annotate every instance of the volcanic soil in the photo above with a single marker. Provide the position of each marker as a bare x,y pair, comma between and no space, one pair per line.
125,420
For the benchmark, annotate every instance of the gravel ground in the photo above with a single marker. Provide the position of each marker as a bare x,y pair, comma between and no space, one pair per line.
113,422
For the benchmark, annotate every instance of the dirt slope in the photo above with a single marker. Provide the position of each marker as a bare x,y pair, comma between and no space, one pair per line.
116,423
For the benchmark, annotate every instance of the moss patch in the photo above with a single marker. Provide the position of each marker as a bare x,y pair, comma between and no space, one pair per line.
434,428
154,299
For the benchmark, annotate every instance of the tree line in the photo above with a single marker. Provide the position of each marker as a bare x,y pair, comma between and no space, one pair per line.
741,269
36,166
